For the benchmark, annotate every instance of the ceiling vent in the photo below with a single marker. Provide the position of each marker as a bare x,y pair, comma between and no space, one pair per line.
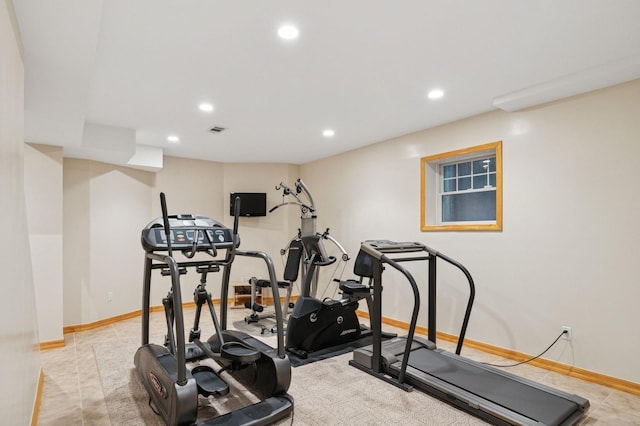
216,129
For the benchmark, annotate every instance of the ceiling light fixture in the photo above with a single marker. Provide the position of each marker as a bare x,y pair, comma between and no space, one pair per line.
328,133
435,94
205,107
288,32
173,139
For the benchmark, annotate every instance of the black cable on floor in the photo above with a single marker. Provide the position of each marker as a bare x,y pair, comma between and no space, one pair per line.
528,360
293,407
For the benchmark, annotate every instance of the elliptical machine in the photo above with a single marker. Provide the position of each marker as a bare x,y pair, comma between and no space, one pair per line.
173,388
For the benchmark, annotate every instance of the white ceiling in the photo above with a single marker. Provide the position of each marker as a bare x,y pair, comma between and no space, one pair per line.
108,79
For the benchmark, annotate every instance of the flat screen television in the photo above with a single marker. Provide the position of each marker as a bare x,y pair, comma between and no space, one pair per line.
251,203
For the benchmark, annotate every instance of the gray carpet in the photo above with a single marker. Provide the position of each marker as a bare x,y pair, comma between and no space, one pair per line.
328,392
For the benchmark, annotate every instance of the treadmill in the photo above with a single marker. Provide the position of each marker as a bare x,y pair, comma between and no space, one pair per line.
491,394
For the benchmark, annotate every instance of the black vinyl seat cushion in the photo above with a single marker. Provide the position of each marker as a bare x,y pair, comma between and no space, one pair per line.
267,283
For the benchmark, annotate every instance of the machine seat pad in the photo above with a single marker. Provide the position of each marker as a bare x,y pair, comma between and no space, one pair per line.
353,286
267,283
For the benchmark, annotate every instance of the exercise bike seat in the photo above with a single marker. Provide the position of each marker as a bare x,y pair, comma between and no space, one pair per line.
363,267
353,287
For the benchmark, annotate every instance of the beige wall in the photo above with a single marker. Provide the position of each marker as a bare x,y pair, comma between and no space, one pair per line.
19,356
106,207
569,246
43,192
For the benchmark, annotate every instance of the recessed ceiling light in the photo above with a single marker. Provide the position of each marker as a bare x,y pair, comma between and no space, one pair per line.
288,32
435,94
328,133
205,107
173,139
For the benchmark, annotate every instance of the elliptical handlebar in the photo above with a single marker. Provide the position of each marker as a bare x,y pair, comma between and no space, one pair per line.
165,221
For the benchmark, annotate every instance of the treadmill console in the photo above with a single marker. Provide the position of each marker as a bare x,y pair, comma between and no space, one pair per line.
387,246
187,232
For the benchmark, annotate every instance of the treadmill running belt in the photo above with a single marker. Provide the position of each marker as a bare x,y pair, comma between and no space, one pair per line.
519,397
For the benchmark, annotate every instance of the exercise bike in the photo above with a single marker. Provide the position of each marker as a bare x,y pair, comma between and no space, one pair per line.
173,388
316,324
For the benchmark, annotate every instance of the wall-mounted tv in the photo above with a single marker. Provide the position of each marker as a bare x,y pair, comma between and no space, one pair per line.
251,203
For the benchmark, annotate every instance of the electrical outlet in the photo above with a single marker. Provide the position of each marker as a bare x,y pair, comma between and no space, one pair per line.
567,333
109,296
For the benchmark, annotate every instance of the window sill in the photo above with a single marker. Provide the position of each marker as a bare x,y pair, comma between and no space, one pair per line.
470,227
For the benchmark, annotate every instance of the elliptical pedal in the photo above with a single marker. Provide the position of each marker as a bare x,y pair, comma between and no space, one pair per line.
208,381
240,353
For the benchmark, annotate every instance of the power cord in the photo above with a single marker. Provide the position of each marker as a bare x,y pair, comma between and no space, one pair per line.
530,359
290,399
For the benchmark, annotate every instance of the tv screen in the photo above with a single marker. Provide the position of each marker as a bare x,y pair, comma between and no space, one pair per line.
251,203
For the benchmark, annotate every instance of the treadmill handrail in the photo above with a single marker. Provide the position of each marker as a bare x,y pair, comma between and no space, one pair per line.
370,248
472,296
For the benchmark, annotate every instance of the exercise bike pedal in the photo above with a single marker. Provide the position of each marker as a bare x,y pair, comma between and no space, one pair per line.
302,354
209,383
255,307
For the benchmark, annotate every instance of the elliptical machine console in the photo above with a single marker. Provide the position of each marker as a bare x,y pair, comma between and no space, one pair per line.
188,233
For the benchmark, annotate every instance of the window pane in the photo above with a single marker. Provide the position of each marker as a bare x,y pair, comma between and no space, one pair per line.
464,183
479,182
478,167
464,169
492,164
492,179
449,171
471,206
449,185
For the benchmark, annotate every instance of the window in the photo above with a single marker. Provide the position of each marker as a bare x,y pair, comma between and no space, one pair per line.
462,190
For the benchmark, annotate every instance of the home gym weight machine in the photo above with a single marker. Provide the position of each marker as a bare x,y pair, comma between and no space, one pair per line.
494,395
316,324
173,388
295,253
